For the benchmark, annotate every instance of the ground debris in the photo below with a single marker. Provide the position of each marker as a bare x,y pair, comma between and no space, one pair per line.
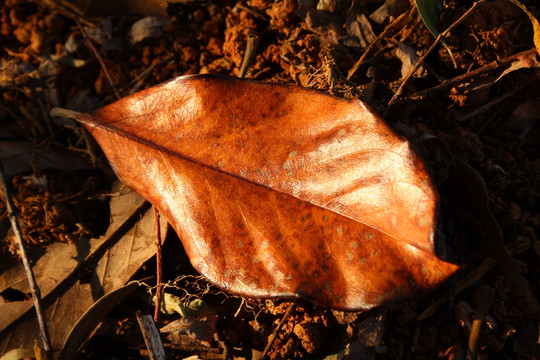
44,63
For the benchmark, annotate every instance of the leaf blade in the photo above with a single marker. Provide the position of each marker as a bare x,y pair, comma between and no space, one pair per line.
273,213
320,160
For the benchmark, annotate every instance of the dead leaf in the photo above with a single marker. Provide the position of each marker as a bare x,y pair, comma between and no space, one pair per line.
409,58
57,264
535,24
202,330
91,319
60,314
524,61
17,354
332,6
187,343
16,156
327,25
151,26
279,191
359,27
126,256
390,8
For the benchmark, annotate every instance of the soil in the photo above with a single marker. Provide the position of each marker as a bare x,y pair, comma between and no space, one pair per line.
488,120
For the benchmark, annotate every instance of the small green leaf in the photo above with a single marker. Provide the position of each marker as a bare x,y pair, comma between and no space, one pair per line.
196,308
429,11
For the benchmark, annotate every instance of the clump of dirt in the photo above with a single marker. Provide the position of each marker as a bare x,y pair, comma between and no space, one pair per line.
283,15
304,332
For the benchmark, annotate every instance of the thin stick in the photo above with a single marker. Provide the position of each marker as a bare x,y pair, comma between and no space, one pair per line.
98,57
253,12
489,105
138,81
36,293
494,65
472,277
277,329
159,267
423,57
370,47
251,48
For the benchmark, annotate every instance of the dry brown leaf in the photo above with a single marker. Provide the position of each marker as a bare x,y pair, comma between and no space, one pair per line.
90,319
279,191
126,256
16,157
58,262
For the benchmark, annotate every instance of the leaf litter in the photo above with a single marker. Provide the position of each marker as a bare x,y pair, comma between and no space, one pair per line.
289,52
56,275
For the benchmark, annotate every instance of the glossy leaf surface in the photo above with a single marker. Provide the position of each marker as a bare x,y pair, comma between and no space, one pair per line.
279,191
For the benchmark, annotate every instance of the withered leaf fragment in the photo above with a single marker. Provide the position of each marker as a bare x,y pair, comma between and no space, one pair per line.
279,191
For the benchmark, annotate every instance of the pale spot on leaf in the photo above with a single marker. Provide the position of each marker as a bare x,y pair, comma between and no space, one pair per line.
287,164
369,235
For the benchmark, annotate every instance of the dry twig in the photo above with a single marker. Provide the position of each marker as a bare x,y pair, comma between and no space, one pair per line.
34,288
482,109
471,277
397,23
423,57
98,57
159,266
463,78
251,48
